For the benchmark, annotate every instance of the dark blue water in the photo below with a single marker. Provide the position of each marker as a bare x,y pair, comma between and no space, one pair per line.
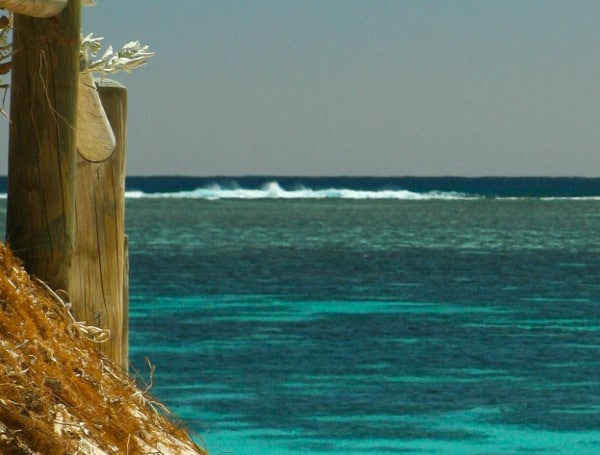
371,316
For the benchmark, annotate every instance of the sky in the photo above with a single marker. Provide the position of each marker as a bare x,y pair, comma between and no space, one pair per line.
354,87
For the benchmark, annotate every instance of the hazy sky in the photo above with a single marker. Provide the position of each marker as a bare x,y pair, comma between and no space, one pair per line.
355,87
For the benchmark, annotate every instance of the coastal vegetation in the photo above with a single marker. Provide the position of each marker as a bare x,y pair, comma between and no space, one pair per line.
58,393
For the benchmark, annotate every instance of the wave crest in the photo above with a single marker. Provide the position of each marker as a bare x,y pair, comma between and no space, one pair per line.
272,190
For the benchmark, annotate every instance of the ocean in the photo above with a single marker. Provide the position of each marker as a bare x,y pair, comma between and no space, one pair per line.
370,315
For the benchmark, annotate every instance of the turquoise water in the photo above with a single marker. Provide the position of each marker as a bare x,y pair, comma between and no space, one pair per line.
371,316
322,326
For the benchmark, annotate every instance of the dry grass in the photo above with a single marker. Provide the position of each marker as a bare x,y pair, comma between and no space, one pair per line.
58,394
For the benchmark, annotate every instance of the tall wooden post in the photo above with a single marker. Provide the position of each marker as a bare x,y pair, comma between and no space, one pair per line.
99,261
41,171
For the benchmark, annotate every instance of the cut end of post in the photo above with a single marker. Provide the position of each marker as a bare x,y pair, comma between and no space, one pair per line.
103,82
95,138
34,8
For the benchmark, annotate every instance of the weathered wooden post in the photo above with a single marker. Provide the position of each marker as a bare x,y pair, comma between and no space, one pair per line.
42,144
65,214
99,263
125,331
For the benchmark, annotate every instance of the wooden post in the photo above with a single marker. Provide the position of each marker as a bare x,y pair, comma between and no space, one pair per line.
125,331
99,255
41,171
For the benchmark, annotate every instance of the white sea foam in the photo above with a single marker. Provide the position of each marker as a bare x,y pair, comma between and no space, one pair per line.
575,198
272,190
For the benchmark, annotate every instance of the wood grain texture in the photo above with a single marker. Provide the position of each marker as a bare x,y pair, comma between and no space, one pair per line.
41,174
99,260
95,138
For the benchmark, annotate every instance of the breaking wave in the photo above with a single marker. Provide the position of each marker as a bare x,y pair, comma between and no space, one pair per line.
272,190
